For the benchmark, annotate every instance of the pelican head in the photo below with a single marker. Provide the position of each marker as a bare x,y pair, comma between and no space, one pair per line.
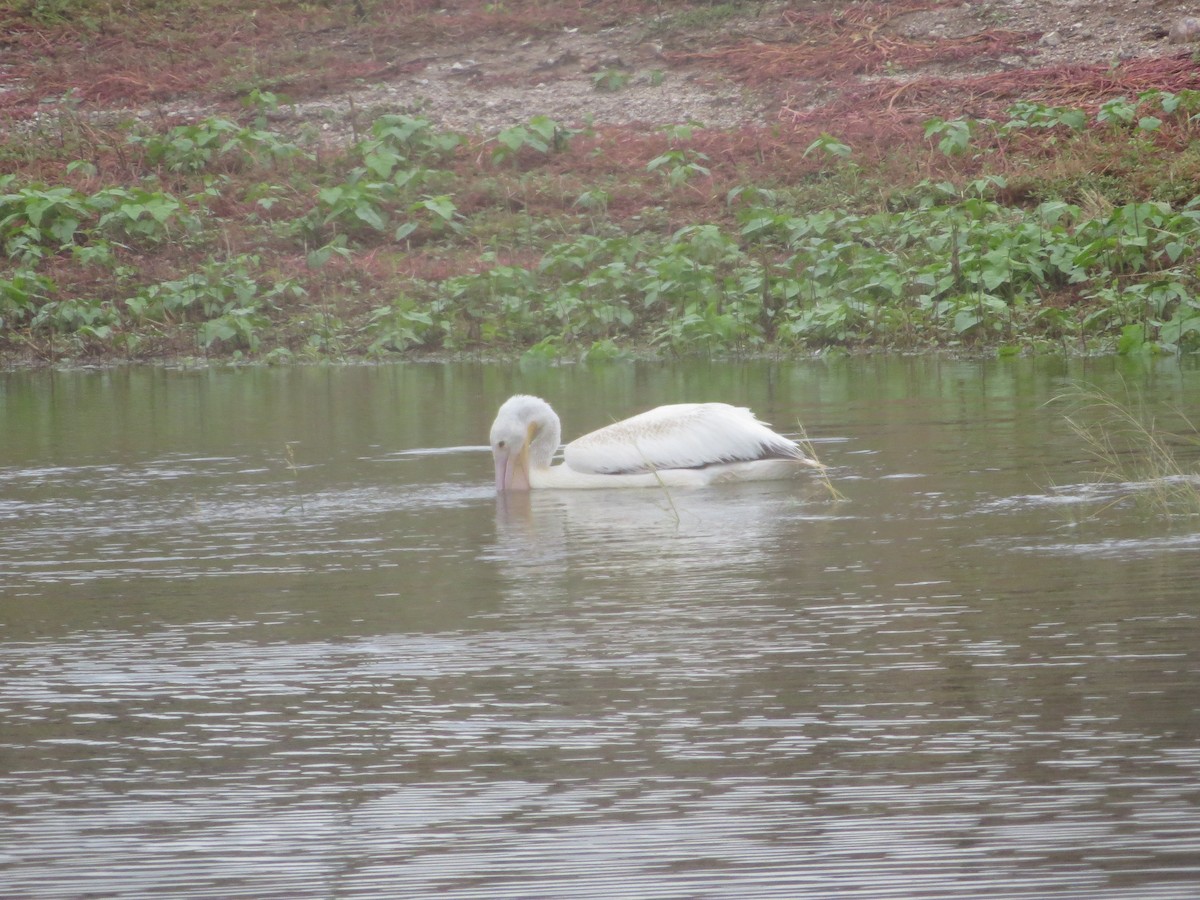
524,436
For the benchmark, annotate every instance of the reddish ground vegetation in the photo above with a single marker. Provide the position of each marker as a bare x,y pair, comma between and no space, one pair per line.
986,96
819,65
133,55
835,45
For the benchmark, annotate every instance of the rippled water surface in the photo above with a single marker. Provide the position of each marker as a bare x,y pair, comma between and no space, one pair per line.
270,634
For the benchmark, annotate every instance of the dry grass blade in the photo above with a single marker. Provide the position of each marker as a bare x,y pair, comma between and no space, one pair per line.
1134,452
805,443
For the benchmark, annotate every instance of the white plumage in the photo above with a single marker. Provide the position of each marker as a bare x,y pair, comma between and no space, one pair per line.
686,444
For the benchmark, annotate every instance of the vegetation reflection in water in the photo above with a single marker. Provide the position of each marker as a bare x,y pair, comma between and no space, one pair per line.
355,671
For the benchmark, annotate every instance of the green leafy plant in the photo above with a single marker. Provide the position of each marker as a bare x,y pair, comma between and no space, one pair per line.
830,146
205,144
237,328
540,134
401,326
611,80
438,213
679,166
405,142
153,217
1119,111
21,294
953,138
175,237
356,203
37,219
1025,114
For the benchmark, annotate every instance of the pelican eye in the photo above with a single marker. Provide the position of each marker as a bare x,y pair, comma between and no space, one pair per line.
501,444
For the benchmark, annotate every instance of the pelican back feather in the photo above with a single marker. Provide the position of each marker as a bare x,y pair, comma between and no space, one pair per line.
680,436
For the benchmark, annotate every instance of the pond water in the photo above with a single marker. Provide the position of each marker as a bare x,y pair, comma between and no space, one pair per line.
268,633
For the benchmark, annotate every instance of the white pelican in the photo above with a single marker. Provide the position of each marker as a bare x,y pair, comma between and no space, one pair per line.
686,444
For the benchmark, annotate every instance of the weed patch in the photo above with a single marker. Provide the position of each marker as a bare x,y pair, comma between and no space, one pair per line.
1135,453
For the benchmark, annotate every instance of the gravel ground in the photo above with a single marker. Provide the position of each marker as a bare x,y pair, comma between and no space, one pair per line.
627,75
492,83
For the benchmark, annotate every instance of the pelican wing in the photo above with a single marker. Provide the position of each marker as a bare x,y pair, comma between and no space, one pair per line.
681,436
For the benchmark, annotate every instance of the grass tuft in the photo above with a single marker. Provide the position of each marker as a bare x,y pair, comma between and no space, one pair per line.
822,472
1134,452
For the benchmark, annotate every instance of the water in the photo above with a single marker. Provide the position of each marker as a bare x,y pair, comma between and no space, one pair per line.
267,633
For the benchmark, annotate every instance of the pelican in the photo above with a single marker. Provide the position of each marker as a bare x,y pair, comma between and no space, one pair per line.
684,445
